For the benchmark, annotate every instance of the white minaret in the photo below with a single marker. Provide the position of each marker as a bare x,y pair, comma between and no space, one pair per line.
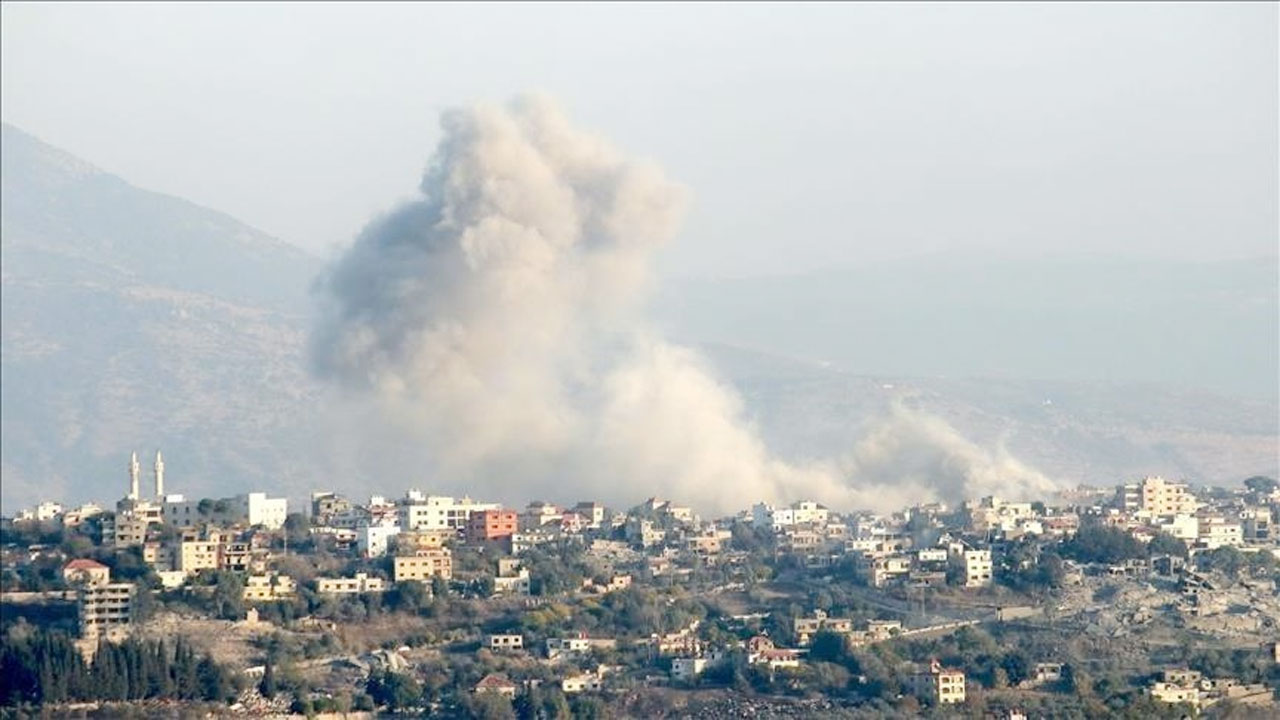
159,476
134,471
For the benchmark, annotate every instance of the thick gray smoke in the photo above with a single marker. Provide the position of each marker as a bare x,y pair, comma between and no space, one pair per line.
499,317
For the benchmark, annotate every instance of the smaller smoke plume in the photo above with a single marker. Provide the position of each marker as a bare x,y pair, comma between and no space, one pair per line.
498,318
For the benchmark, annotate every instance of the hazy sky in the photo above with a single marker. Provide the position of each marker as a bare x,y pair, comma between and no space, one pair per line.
809,134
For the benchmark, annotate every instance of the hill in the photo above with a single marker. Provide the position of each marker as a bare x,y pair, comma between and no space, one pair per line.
133,319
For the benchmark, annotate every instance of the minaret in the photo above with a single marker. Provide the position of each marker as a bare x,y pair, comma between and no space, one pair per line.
134,471
159,476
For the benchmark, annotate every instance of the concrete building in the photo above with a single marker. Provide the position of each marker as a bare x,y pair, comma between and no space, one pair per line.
582,682
371,540
504,642
424,565
539,513
977,568
361,583
806,627
492,525
258,509
438,512
76,516
325,505
1217,531
1156,496
104,608
196,555
84,571
273,586
937,684
594,513
124,530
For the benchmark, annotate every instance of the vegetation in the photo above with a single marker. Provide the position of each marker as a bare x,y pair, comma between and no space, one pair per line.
39,667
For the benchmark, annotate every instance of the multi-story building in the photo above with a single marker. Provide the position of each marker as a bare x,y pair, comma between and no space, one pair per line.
594,513
1256,525
806,627
424,565
1156,496
977,568
371,540
539,513
196,555
103,608
124,530
258,509
1217,531
492,525
361,583
937,684
437,512
325,505
159,556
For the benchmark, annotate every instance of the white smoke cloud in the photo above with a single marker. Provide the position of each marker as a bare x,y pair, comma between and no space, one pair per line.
499,317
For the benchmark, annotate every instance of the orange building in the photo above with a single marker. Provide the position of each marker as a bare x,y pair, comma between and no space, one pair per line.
492,524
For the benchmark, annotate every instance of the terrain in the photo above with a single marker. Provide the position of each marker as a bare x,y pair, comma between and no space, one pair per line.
133,320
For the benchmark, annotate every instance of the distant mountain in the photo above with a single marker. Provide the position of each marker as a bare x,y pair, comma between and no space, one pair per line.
136,320
1213,326
1095,432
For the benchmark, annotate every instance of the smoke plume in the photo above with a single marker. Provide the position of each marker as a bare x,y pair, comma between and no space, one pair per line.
499,317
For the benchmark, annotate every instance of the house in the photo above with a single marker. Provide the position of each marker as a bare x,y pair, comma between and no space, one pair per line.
688,668
761,651
361,583
806,627
424,564
504,642
938,684
273,586
577,645
583,682
84,571
496,684
487,525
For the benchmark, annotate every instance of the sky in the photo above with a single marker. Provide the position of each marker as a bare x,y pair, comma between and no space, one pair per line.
809,135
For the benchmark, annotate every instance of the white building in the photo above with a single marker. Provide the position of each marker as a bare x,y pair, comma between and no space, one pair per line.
1216,532
977,568
361,583
438,512
258,509
805,512
371,540
46,510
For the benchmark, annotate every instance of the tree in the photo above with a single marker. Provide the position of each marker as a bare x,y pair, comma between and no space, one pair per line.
1099,543
395,690
1262,484
1165,544
268,686
828,646
227,600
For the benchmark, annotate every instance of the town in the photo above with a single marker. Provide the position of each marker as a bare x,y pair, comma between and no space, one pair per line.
1151,597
